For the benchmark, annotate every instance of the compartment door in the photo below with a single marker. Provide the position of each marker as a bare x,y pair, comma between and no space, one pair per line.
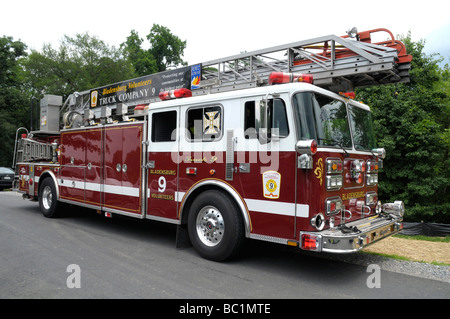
123,168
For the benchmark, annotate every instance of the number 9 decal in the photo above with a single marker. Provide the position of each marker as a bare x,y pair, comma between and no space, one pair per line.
162,184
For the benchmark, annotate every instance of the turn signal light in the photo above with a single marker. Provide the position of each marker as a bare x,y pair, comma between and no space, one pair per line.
334,165
372,166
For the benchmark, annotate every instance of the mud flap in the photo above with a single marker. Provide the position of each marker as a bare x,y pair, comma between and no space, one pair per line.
182,240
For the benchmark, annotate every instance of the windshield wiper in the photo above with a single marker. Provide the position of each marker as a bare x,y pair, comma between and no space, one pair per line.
337,143
362,146
365,147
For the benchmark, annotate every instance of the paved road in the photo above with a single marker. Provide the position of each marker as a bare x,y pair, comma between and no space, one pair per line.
127,258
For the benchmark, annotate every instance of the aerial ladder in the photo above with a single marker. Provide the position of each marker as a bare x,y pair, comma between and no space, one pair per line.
337,63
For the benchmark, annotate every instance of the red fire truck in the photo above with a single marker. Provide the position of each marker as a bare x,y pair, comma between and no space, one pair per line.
260,145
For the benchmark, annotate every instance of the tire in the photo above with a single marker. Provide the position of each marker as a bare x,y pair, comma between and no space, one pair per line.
215,226
48,199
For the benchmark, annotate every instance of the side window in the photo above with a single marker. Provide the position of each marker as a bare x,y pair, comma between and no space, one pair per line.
204,124
164,126
276,117
249,120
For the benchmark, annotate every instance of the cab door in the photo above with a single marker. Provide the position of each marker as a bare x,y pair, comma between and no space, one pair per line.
266,162
162,164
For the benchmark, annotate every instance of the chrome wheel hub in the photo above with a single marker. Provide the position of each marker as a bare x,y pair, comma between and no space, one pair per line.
210,226
47,197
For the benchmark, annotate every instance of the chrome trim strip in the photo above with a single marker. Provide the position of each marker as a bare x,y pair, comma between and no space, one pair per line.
271,239
164,220
121,212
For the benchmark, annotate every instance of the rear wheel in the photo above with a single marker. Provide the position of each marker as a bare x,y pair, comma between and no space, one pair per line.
48,198
215,226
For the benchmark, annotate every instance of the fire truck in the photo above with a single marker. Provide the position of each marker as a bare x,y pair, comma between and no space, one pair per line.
268,145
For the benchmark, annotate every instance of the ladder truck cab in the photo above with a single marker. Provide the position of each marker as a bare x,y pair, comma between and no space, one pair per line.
262,145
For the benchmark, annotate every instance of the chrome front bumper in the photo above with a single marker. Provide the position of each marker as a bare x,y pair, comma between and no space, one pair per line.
352,236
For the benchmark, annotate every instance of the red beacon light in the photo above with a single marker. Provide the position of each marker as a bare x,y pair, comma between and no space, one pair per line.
348,95
141,109
280,77
175,94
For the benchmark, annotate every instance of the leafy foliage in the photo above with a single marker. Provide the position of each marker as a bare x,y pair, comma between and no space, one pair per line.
166,51
142,60
14,100
80,63
412,123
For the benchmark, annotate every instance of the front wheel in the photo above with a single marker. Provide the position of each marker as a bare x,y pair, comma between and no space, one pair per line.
215,226
48,201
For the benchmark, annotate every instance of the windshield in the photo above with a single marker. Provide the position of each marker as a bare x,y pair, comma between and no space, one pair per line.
323,119
5,170
362,129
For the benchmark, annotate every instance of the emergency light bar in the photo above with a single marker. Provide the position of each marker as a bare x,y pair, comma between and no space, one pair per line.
175,94
280,77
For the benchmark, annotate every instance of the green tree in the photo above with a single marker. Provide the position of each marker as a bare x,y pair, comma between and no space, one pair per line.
142,60
412,123
166,48
14,100
80,63
166,51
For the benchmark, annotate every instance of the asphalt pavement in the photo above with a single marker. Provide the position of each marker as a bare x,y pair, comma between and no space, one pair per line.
85,255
